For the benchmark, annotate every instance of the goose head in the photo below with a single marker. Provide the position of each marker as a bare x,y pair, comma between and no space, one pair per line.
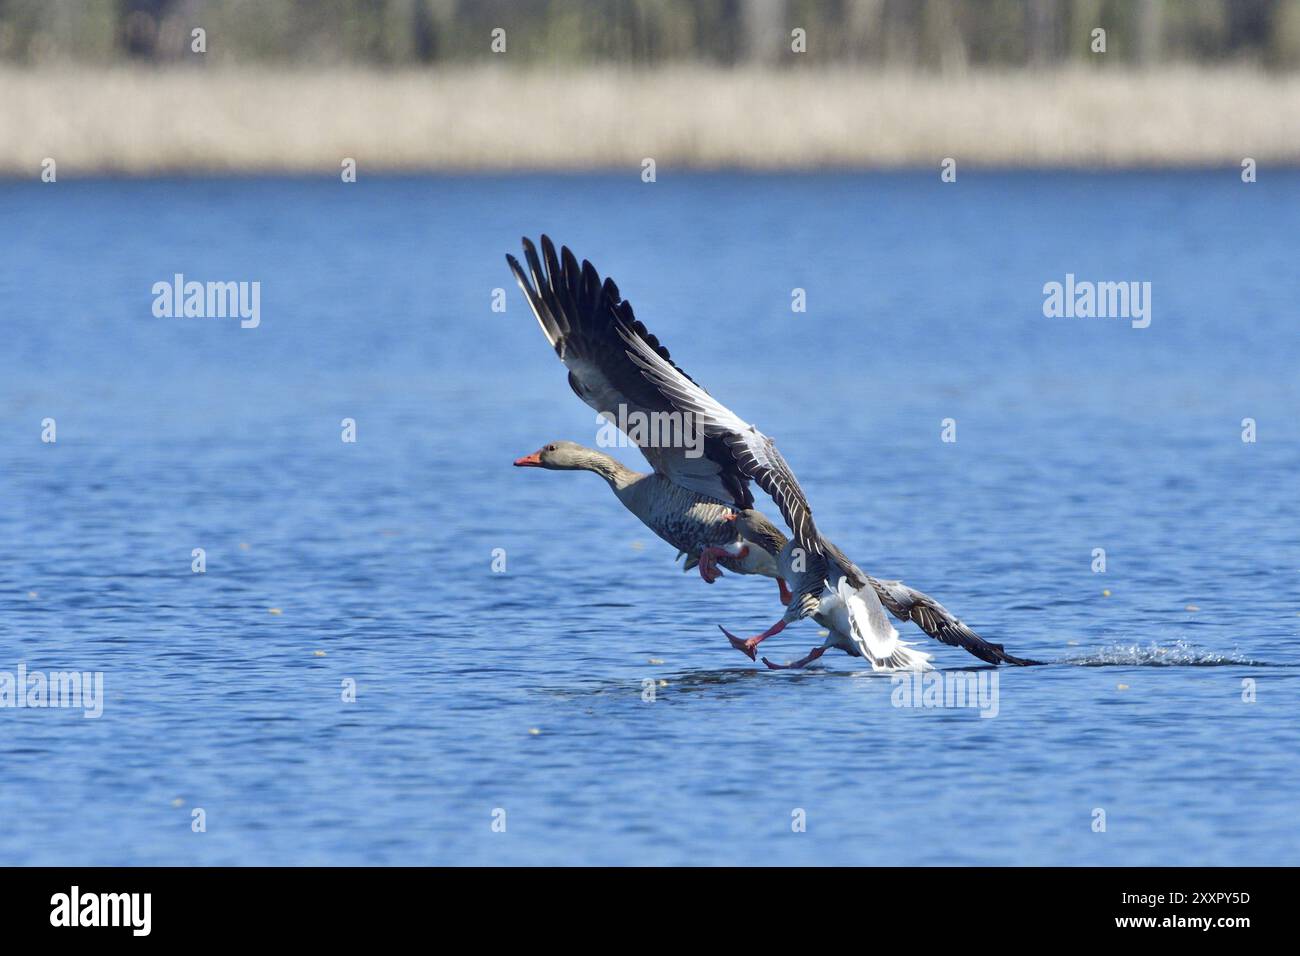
754,527
560,456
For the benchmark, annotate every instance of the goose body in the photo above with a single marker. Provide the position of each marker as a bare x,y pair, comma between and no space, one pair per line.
691,522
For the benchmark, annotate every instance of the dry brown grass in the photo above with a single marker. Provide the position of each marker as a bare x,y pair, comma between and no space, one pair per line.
186,120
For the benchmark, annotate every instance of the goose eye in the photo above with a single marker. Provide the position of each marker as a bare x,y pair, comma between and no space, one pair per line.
550,448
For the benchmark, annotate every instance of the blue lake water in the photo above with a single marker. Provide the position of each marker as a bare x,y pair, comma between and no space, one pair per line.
522,691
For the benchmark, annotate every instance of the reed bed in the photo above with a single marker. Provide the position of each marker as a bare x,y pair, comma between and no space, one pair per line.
189,120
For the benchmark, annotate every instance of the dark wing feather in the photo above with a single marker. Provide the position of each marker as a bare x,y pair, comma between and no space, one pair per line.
584,320
753,453
856,577
762,461
929,615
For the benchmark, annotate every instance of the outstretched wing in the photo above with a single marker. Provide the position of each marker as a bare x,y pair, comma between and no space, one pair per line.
586,322
752,452
936,620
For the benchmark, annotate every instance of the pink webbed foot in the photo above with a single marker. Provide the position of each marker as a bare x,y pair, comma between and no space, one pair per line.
746,646
709,561
709,564
743,646
815,653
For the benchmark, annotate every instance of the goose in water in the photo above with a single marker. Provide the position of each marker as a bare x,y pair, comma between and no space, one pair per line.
616,365
856,621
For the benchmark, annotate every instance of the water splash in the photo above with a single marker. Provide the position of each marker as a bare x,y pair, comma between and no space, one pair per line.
1178,653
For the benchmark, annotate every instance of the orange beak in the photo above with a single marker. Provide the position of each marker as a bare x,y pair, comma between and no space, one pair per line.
730,517
530,461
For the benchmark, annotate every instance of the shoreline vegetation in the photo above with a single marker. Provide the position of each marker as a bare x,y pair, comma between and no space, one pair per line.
159,121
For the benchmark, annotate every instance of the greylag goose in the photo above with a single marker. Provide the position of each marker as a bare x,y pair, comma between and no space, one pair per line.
687,500
856,622
614,362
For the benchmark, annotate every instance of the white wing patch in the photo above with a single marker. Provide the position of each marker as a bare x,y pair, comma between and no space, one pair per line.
873,635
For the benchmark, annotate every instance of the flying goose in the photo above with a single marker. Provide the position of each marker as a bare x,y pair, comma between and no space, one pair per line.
688,500
615,364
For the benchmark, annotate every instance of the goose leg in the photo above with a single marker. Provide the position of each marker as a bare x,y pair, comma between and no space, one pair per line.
786,596
746,647
815,653
709,558
708,564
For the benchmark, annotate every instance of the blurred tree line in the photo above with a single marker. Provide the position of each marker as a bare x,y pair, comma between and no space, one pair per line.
929,34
